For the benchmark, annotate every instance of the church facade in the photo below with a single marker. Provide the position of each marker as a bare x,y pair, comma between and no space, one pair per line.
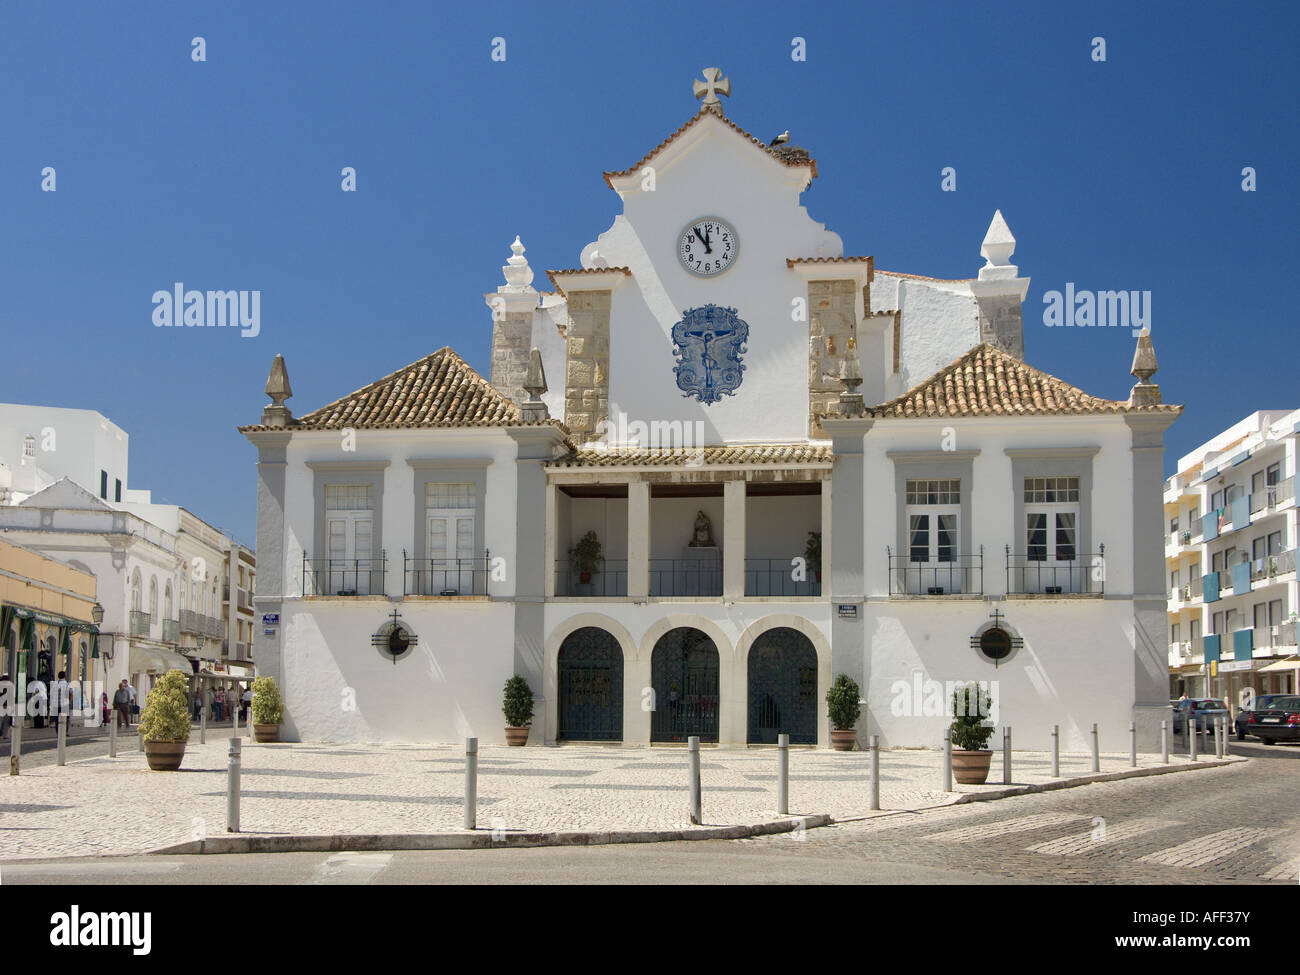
713,466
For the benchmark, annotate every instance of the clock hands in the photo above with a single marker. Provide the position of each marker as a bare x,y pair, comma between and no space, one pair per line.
704,239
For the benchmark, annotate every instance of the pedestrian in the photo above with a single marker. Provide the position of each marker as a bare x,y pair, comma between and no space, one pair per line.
103,707
122,705
135,708
247,699
218,704
59,699
37,702
9,695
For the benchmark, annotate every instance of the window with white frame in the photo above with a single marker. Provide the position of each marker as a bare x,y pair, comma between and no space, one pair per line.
349,533
933,513
1052,533
450,513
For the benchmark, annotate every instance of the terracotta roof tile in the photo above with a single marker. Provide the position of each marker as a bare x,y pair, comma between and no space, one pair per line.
797,453
989,382
785,157
792,261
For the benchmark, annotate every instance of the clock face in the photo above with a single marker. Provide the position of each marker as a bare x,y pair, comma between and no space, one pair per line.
707,246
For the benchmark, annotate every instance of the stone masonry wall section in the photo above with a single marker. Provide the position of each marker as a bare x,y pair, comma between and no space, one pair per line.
586,394
832,321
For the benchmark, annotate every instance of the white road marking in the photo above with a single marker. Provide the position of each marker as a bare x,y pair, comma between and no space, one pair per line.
1207,849
351,868
1003,827
1076,843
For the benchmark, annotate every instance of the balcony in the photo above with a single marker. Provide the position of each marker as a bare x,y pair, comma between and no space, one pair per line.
776,577
140,623
213,627
171,631
1084,575
1273,496
1267,569
963,576
1281,636
241,651
445,577
344,577
609,580
245,600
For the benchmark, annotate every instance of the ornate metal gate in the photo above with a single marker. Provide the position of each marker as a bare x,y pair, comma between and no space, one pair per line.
684,671
591,686
782,688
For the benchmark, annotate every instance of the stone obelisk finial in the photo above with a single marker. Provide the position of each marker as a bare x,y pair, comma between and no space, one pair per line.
277,387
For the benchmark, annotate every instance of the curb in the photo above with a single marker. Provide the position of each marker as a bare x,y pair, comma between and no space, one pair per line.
480,839
1131,773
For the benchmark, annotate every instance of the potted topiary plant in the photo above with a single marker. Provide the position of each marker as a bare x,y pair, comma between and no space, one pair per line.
518,709
587,557
812,553
268,709
165,724
970,752
843,708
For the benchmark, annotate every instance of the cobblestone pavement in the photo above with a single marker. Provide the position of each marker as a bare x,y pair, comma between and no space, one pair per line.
1232,825
97,805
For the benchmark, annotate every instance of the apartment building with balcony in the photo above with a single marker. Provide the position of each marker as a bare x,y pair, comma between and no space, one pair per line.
1230,558
716,465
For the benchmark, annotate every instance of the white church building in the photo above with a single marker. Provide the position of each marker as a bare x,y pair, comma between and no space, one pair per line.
716,465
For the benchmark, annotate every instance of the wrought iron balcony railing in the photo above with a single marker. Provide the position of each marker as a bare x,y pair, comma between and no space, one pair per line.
776,577
140,622
610,580
344,577
1082,575
446,577
964,575
686,577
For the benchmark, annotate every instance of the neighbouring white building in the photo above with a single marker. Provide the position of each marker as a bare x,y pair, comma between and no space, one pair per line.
1230,552
175,590
794,465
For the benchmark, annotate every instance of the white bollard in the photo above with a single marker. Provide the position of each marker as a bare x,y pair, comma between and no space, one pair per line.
232,785
782,775
112,734
1164,742
1132,745
874,796
1006,755
1096,751
693,749
947,760
62,758
471,782
1056,751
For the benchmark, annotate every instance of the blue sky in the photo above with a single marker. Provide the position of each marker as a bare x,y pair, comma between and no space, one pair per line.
225,174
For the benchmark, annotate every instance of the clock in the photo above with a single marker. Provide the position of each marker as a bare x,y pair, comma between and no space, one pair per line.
707,246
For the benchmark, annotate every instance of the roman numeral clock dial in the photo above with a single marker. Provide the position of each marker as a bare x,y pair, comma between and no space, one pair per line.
707,246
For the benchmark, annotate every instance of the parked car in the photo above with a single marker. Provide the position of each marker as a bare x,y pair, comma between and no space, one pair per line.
1262,703
1280,721
1203,712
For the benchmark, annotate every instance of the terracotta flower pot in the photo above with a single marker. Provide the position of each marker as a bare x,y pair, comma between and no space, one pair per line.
516,736
584,577
971,768
843,741
164,756
266,732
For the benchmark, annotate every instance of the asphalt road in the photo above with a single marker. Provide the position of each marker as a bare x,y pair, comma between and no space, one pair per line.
1221,826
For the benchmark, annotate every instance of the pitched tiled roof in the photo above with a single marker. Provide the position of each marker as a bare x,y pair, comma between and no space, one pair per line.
989,382
440,390
581,270
798,453
792,261
786,158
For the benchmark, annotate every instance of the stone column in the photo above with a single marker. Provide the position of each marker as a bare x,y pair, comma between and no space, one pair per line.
269,581
1150,647
847,579
733,539
638,540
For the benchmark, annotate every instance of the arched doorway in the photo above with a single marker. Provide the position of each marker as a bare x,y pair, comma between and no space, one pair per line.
782,688
590,669
684,672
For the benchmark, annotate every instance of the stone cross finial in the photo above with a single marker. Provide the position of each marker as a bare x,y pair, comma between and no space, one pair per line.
709,89
277,387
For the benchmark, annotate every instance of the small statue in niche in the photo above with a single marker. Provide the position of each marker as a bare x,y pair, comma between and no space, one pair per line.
703,531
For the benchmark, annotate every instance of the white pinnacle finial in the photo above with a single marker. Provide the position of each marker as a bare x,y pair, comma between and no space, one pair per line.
998,244
516,270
